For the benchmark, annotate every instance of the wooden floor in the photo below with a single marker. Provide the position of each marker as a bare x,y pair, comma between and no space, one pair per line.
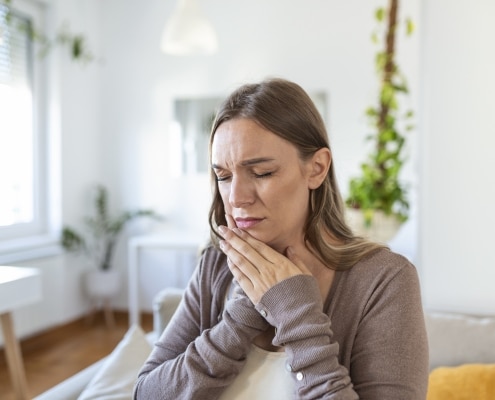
55,355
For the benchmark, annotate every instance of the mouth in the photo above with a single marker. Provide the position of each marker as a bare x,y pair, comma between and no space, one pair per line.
246,223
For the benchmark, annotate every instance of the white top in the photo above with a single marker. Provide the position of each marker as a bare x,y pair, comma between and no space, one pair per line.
264,376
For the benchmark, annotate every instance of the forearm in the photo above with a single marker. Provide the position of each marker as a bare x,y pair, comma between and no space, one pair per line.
209,363
304,330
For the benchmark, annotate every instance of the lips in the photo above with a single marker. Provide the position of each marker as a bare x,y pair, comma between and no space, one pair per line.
246,223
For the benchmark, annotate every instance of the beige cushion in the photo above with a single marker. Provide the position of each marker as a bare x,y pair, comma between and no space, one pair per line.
456,339
164,305
116,378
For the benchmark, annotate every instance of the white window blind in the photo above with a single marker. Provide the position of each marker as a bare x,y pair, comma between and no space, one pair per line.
16,122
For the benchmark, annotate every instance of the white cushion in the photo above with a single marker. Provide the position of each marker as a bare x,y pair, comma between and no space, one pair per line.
456,339
116,378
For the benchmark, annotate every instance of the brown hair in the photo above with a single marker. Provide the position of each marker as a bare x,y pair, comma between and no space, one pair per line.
285,109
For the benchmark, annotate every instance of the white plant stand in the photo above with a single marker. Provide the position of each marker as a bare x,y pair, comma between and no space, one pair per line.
101,287
383,228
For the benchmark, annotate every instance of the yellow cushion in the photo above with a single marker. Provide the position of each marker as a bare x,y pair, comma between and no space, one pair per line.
465,382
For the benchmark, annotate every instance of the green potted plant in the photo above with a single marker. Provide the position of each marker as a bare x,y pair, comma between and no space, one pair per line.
98,243
378,196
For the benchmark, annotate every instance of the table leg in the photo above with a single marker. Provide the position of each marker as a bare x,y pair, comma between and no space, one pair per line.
107,309
134,310
14,358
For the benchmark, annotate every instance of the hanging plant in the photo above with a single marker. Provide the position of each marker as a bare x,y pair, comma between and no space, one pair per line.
379,186
76,45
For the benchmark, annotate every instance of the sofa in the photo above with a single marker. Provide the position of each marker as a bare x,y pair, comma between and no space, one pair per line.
131,352
462,352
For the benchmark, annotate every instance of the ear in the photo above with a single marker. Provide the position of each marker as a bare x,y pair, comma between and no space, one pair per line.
318,167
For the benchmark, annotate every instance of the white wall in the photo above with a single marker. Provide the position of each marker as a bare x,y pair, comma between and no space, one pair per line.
115,122
322,45
457,162
75,111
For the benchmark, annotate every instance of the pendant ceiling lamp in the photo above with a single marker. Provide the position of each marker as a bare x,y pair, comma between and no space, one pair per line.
188,31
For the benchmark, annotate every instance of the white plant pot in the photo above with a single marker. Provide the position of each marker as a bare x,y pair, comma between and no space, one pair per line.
101,284
383,227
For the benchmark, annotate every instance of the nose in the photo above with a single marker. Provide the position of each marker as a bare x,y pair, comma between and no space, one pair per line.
241,193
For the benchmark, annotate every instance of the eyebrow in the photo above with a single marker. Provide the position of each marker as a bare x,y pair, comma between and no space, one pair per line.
247,163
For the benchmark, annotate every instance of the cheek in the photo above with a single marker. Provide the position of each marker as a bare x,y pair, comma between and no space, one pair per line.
224,195
294,190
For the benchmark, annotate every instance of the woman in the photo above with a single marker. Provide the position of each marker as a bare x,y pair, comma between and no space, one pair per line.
287,302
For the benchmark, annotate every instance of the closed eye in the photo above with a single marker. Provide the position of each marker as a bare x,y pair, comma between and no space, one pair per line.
265,175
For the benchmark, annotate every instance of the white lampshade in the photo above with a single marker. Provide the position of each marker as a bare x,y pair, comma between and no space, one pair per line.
188,31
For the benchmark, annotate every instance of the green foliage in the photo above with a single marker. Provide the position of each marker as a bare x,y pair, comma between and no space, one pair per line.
103,231
380,14
409,27
75,44
379,186
72,241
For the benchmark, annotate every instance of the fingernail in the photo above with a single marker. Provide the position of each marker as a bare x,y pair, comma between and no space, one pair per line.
222,229
222,244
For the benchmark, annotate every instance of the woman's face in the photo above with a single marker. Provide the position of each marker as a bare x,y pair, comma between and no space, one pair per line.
263,183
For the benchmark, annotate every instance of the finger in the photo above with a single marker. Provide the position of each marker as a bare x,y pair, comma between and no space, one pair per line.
261,250
237,260
230,221
241,280
243,283
263,265
244,251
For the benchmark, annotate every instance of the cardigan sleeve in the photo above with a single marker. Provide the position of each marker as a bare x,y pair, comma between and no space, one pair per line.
389,352
189,361
295,308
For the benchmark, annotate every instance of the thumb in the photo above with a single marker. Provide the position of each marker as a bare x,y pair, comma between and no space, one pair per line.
294,258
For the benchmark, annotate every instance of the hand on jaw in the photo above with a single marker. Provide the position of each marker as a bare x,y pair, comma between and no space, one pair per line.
255,266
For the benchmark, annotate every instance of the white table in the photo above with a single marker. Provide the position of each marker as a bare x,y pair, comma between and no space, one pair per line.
178,241
19,286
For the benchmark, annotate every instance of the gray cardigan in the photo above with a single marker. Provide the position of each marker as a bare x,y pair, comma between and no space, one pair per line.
367,341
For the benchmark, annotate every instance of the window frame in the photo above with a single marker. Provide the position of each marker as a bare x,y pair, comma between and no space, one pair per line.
39,239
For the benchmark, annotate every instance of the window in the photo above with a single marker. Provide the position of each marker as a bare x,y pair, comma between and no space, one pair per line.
25,218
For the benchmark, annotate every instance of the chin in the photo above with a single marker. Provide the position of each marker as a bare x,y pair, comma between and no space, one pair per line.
275,243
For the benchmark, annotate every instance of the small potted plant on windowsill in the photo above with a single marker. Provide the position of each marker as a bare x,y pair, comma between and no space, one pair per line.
98,243
378,201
